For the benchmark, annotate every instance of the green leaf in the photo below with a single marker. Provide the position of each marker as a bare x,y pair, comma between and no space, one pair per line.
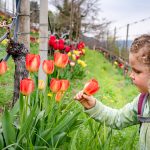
15,109
1,141
8,128
28,124
63,125
59,139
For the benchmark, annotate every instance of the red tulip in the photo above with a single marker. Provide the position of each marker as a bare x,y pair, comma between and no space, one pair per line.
3,67
55,85
48,66
67,49
77,57
61,60
120,65
64,85
58,96
61,44
32,62
91,87
51,41
80,45
26,86
56,45
61,41
61,47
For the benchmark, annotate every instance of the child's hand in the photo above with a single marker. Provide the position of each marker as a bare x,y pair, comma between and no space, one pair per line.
87,101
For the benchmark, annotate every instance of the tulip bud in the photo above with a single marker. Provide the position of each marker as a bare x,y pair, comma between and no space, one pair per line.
69,54
32,62
48,66
61,44
41,85
61,60
91,87
55,85
3,67
51,40
26,86
67,49
64,85
56,45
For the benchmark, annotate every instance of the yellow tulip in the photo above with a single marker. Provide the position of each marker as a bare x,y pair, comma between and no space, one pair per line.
76,52
41,84
69,54
83,64
73,56
79,61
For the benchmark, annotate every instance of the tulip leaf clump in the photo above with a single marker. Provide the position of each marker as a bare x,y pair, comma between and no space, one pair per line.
43,116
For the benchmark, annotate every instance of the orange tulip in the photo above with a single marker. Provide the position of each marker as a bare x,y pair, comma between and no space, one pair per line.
55,85
48,66
64,85
26,86
91,87
32,62
3,67
60,60
58,96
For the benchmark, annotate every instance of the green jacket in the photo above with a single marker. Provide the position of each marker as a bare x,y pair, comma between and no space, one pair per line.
123,117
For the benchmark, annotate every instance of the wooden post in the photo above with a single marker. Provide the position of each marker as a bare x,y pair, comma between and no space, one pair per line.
24,23
5,6
107,42
113,41
13,6
127,37
71,20
43,33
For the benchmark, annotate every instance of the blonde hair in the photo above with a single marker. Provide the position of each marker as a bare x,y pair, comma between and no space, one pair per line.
142,43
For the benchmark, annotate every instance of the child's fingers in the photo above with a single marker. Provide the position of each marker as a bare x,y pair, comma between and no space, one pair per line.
87,97
79,95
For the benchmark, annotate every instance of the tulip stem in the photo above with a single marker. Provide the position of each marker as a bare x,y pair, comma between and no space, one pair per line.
26,107
58,74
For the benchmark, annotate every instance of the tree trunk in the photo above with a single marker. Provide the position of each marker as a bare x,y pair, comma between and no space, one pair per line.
23,37
43,33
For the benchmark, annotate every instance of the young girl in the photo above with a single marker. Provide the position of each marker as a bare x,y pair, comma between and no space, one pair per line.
139,60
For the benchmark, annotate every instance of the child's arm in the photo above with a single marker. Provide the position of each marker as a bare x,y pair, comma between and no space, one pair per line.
114,118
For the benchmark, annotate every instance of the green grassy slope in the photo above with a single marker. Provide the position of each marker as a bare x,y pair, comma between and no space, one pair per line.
115,91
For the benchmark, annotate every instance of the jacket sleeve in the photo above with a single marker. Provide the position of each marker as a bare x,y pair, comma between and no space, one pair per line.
115,118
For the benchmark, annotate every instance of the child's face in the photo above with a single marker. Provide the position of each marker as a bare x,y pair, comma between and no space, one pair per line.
140,74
